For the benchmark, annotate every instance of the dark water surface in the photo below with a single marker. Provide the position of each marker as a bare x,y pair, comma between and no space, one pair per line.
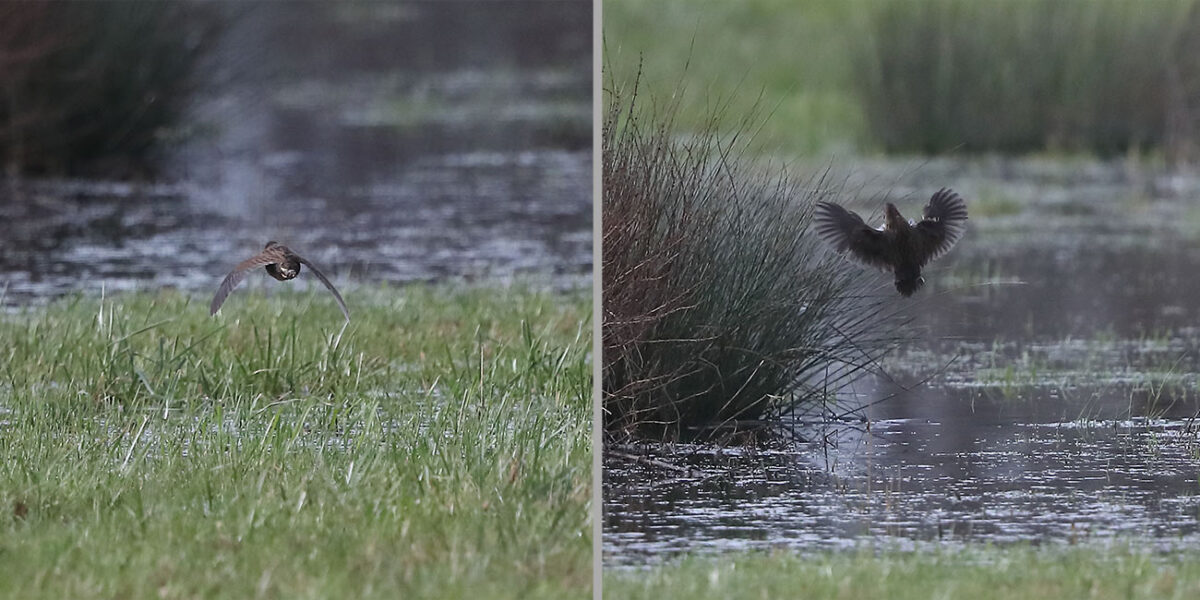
1050,396
385,141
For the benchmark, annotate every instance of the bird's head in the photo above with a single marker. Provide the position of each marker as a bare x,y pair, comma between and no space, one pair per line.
270,243
892,217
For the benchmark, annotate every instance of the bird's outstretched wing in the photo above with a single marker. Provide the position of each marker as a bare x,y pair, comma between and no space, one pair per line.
944,223
845,230
333,290
272,255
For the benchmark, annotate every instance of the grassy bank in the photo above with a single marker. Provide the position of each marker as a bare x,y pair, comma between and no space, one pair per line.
440,449
926,76
983,573
795,54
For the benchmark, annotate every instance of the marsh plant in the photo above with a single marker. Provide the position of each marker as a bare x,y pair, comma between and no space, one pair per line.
721,309
95,87
1102,77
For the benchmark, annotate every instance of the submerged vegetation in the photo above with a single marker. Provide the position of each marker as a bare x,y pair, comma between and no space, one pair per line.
441,448
720,310
89,87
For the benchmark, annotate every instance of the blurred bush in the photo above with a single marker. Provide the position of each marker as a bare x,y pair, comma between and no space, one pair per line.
721,311
90,88
1103,76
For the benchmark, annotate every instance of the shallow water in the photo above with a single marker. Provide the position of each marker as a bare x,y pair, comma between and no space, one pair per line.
1049,395
910,483
452,143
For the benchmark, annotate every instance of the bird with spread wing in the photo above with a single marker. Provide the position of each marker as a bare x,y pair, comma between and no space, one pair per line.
282,264
899,245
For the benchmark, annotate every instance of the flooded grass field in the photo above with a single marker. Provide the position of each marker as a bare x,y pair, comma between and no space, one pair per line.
434,160
1048,395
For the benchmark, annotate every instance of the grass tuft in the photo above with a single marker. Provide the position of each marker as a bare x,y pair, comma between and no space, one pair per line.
720,308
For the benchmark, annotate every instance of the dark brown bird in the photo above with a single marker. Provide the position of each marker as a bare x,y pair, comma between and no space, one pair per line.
282,264
900,246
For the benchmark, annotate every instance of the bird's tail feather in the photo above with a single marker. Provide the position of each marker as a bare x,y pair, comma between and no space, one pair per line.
908,280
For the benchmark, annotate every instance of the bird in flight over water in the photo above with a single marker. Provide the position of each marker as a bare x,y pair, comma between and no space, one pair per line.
899,245
282,264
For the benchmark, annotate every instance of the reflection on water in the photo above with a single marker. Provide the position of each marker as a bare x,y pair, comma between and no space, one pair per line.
415,141
913,482
1050,395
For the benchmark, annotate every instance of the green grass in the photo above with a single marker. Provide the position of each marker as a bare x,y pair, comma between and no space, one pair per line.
978,573
790,58
1105,77
924,76
440,449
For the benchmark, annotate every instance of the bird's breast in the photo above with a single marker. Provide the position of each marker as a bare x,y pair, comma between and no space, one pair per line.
284,270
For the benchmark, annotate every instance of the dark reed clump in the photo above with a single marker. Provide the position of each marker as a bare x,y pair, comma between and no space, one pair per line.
91,88
1103,77
721,310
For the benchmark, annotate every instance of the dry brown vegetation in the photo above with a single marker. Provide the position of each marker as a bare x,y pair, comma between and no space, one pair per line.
721,311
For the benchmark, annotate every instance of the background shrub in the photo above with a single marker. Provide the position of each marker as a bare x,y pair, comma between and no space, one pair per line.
1097,77
92,87
1104,77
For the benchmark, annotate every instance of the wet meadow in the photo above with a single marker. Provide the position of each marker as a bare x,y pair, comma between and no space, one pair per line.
1028,425
435,163
440,446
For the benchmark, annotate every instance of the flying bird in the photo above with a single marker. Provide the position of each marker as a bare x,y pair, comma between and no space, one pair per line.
282,264
899,245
